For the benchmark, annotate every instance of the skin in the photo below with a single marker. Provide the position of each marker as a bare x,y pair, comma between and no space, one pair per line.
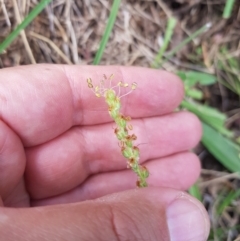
59,155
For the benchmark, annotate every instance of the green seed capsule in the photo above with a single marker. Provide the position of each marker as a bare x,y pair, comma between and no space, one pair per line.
120,135
121,122
127,152
113,114
129,143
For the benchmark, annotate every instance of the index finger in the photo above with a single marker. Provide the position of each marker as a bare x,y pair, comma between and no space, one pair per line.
41,102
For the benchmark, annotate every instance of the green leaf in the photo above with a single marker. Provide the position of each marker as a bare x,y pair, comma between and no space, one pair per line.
190,78
168,35
182,75
230,66
226,201
107,32
228,8
223,149
209,115
194,93
27,20
187,40
195,192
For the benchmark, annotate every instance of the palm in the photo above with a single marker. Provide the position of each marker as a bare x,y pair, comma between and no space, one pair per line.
60,138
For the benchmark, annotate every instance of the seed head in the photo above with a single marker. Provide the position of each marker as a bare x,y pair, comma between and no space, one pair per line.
112,95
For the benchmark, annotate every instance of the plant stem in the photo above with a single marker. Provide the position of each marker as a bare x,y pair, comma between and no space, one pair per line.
228,8
107,32
169,31
27,20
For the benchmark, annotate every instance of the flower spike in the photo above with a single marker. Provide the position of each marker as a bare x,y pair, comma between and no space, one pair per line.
128,149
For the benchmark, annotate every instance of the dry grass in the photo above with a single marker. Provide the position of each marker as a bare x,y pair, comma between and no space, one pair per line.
69,32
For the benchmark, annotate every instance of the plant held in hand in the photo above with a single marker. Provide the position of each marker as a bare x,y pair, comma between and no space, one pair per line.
126,140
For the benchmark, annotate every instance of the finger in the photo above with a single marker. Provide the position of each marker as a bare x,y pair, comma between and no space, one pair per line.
179,171
18,196
94,150
12,160
43,101
151,214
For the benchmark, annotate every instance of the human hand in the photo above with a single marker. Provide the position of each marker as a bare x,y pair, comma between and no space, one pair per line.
58,147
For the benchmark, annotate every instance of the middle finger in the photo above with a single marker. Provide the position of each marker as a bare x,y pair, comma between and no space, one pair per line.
65,162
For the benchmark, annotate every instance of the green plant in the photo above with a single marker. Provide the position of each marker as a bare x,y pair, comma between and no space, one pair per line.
129,151
228,64
184,43
228,8
168,35
195,192
27,20
107,32
216,137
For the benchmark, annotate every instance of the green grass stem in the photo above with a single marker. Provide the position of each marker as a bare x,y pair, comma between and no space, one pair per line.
27,20
187,40
228,9
226,201
231,66
168,35
107,32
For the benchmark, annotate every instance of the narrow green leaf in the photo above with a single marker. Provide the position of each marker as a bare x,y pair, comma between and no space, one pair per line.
182,75
231,80
187,40
222,233
228,8
27,20
191,78
168,35
202,78
223,149
226,201
230,65
195,192
107,32
209,115
194,93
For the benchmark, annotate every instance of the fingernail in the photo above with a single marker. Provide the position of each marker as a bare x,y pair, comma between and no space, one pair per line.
187,221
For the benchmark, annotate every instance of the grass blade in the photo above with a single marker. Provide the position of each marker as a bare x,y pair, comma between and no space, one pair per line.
223,149
27,20
107,32
169,32
193,93
195,192
209,115
191,78
187,40
228,8
226,201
